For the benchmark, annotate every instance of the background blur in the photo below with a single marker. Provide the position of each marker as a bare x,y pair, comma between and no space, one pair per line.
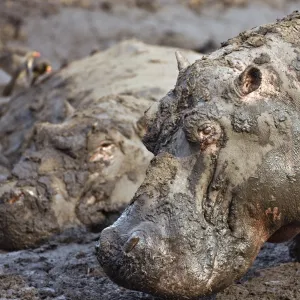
64,30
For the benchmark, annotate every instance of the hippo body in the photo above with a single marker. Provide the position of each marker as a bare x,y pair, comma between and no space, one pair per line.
226,171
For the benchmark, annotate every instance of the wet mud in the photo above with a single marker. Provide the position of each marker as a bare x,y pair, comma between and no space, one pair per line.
66,268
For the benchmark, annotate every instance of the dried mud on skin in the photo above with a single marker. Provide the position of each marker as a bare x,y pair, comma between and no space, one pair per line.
130,68
66,266
94,160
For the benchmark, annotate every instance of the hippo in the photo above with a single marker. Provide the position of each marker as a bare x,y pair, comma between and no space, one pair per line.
225,174
71,154
72,171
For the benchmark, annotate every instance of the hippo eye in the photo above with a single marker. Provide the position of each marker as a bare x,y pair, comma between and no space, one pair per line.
208,134
106,144
207,130
104,152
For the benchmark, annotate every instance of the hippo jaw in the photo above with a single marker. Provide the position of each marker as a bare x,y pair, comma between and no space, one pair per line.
176,252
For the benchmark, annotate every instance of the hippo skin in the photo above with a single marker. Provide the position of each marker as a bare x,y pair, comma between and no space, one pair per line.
226,171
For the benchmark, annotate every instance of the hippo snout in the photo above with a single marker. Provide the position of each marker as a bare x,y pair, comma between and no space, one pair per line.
136,239
111,239
119,243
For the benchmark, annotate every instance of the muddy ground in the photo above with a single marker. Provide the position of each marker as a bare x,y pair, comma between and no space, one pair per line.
66,268
64,30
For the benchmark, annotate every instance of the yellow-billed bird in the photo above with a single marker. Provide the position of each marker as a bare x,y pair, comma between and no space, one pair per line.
39,69
17,63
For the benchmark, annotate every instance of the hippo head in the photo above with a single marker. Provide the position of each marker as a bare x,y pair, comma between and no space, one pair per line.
71,172
216,190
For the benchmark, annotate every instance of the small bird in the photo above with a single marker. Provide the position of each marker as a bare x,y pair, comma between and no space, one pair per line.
12,58
39,69
18,63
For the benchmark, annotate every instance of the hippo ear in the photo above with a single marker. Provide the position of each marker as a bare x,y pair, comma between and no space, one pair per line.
249,80
141,126
182,62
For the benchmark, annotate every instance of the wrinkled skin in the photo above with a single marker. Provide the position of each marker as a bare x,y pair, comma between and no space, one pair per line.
82,171
225,177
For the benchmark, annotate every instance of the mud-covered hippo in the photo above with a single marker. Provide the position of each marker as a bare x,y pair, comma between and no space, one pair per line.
70,148
226,171
84,170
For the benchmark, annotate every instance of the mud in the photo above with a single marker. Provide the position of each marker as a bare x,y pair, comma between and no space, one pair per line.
65,267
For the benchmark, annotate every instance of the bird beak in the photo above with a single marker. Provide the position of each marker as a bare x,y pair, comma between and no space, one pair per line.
36,54
49,69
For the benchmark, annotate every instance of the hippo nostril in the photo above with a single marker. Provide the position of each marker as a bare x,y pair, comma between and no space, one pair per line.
131,243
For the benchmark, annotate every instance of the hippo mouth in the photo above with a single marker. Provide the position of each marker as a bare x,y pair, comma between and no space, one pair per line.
129,264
